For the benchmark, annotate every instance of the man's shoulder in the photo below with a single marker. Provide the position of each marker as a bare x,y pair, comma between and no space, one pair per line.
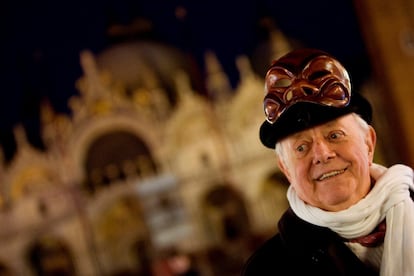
265,259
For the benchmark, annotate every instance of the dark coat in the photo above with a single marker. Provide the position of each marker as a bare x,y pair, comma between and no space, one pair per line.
302,248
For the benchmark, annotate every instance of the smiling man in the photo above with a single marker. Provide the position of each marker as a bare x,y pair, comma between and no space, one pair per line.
347,215
328,165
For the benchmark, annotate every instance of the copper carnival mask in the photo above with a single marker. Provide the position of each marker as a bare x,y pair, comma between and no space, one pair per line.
305,75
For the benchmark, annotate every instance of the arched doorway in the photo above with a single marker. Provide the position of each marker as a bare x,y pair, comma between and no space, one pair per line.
50,256
115,156
228,227
122,237
227,212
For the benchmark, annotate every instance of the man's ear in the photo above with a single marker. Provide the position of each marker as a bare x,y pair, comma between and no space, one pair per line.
371,140
284,168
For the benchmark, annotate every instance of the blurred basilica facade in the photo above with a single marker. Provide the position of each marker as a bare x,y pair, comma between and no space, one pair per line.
143,164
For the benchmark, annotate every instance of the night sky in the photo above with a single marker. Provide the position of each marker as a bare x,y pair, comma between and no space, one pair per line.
41,41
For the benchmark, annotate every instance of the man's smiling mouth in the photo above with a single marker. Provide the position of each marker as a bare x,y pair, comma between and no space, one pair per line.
330,174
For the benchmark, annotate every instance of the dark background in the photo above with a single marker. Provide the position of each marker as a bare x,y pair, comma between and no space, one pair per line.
41,42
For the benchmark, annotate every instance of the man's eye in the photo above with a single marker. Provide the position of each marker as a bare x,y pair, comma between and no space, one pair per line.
300,148
335,135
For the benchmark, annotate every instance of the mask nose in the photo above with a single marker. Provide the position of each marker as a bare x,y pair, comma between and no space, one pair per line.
300,90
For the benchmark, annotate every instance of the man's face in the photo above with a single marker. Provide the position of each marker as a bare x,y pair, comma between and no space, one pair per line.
328,165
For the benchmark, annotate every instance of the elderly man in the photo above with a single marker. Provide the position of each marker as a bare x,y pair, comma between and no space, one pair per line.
347,215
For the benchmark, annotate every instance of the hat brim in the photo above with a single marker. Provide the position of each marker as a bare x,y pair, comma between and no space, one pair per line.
305,115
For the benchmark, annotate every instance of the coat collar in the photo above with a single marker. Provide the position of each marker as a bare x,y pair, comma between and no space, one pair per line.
302,236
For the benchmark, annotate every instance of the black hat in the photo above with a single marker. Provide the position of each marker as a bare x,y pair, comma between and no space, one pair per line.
306,88
302,116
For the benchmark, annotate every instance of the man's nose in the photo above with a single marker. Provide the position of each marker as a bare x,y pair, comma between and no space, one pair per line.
322,152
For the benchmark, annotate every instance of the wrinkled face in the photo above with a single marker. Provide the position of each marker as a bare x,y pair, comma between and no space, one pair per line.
328,165
308,76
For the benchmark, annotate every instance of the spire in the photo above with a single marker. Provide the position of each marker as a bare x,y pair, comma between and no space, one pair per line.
278,43
20,137
217,82
92,84
183,86
245,68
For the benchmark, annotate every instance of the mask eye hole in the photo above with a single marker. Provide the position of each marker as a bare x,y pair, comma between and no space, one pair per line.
282,83
278,78
318,75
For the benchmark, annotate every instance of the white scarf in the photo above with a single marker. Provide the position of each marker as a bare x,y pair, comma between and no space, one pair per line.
390,199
